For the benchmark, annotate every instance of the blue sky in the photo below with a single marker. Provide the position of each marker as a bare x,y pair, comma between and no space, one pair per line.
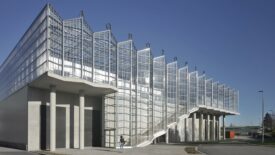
232,40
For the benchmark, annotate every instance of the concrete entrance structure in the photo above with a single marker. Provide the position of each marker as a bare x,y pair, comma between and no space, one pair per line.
41,113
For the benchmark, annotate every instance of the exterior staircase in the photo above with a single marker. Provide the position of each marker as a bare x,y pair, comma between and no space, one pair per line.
165,131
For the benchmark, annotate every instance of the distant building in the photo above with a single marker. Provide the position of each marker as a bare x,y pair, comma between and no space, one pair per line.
269,122
244,130
65,86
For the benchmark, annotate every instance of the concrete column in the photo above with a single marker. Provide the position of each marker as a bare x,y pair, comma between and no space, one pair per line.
52,118
200,127
185,129
67,127
223,127
167,137
193,126
81,119
207,135
76,127
103,122
213,128
218,128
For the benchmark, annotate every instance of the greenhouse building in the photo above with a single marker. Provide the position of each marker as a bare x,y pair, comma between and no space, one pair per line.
66,86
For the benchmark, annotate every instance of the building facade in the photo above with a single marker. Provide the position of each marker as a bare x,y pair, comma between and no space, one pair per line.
65,86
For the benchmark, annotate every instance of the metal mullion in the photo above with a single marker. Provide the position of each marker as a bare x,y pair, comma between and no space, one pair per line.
130,132
109,53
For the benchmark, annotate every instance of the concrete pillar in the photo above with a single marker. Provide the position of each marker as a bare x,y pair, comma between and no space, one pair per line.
81,119
194,126
185,129
67,145
213,128
200,127
52,118
103,122
167,137
223,127
76,126
218,128
207,135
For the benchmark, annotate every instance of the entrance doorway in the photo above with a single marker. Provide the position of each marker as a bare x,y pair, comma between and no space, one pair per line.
109,138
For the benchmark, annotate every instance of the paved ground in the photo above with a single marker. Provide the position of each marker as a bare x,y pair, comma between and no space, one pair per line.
233,149
209,149
8,151
149,150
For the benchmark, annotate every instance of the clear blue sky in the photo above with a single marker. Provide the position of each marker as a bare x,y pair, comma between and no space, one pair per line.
232,40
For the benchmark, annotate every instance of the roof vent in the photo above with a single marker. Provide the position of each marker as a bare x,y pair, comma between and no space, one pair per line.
130,36
148,45
108,26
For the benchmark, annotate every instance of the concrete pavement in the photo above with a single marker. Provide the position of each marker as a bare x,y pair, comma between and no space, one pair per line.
149,150
9,151
233,149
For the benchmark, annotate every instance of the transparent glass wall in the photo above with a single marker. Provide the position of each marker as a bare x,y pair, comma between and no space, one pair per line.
27,61
183,90
73,47
209,92
215,94
221,96
104,57
110,120
55,43
159,66
236,101
87,50
202,88
134,96
226,98
124,99
231,100
143,94
171,97
193,89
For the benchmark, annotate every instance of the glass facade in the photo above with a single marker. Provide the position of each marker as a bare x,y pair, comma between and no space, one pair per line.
193,89
202,90
105,55
125,102
183,90
143,95
151,93
159,66
171,97
209,92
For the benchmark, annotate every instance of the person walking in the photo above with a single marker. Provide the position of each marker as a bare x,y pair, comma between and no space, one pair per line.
122,142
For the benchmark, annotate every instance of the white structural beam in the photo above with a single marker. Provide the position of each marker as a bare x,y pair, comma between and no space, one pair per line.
52,118
81,119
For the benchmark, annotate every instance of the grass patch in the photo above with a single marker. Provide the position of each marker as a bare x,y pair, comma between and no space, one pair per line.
191,150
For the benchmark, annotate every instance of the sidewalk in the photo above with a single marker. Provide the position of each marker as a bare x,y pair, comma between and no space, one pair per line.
149,150
10,151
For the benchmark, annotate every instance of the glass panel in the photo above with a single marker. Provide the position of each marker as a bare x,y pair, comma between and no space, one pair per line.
28,59
171,92
159,93
143,94
193,89
183,90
